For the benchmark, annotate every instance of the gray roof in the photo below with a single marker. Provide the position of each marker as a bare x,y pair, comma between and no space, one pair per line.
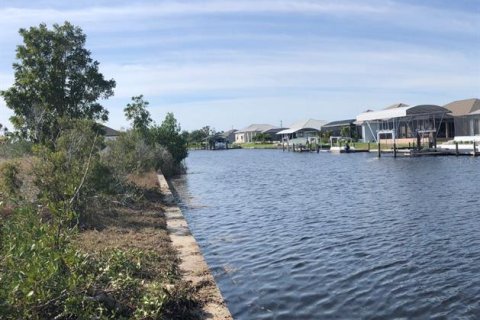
463,107
109,132
257,128
229,132
273,130
339,123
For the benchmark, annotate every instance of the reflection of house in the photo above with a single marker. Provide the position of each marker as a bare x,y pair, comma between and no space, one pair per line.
246,135
302,131
466,115
335,128
405,122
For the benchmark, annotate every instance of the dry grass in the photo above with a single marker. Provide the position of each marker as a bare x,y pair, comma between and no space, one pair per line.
139,226
142,226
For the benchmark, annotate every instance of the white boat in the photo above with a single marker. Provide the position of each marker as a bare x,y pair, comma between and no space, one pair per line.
340,145
342,149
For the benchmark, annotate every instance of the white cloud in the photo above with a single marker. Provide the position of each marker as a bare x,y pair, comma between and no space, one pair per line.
334,68
137,16
162,54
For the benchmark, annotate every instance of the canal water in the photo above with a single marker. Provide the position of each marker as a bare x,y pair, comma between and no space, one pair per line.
325,236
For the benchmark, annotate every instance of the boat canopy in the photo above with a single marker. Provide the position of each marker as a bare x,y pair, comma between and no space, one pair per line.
401,112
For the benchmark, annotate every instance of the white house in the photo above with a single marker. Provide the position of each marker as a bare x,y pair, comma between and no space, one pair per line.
246,135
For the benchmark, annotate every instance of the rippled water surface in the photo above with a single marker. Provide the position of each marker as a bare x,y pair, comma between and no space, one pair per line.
324,236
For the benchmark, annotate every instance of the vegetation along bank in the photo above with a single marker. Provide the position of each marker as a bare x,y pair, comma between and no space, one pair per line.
83,233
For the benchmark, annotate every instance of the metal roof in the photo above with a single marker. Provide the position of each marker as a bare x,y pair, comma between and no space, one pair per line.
303,125
401,112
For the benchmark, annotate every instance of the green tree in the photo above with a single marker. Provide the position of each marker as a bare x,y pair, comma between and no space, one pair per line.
55,78
137,113
261,137
198,136
325,136
345,131
168,135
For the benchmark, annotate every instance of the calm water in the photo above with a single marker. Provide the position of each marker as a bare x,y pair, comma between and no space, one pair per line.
324,236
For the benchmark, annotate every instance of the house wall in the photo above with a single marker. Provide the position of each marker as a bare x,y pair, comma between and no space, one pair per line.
240,137
467,125
245,137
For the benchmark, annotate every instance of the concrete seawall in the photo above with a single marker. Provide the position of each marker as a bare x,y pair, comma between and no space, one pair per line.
193,265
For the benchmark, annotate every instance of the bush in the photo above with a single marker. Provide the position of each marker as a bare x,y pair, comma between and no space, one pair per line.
15,149
168,135
42,276
10,184
69,174
131,153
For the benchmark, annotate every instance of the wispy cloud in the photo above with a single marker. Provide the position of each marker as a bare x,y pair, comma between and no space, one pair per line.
303,55
388,12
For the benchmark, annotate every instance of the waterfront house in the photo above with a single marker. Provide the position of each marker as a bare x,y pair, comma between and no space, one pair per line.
335,128
110,134
302,132
406,123
217,141
229,135
247,134
466,114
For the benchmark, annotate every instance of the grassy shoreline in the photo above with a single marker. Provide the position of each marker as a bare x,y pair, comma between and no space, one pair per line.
120,263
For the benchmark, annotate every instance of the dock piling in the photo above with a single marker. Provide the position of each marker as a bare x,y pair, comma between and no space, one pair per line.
379,150
456,149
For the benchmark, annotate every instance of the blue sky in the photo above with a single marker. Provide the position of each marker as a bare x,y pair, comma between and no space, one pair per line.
232,63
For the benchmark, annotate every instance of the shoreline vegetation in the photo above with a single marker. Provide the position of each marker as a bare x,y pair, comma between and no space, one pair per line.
82,219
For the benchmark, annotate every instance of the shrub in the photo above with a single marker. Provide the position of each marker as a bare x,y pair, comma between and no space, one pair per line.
10,184
168,135
12,148
131,153
69,174
42,276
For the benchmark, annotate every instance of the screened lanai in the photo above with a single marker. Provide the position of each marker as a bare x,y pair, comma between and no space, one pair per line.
407,123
